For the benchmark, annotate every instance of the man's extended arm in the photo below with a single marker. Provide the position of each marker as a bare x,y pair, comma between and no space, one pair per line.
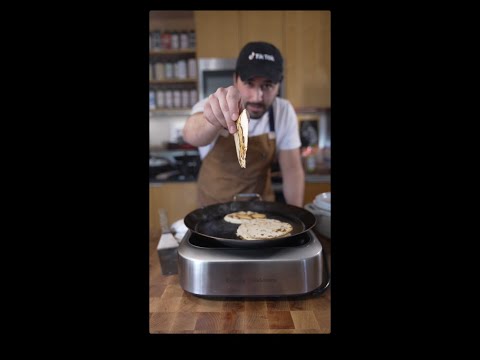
220,112
198,131
293,176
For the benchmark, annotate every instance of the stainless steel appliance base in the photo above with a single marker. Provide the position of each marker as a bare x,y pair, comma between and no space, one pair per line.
215,270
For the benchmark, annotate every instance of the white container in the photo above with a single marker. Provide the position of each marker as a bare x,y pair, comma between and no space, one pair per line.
159,71
177,99
185,98
160,99
169,99
168,70
193,97
192,68
181,69
152,100
184,40
323,225
323,201
175,40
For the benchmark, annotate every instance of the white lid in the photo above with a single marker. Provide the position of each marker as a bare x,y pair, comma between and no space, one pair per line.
323,201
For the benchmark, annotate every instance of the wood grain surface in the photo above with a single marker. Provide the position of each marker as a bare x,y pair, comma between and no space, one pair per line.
173,310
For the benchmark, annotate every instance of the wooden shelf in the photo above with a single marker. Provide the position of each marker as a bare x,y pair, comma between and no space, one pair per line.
173,81
170,112
171,20
308,117
173,52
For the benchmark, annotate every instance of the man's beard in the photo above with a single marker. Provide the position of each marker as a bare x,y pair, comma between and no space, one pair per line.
260,110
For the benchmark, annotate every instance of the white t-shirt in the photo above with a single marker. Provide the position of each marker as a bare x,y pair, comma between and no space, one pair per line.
286,126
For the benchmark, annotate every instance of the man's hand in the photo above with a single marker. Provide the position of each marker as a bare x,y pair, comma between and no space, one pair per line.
223,108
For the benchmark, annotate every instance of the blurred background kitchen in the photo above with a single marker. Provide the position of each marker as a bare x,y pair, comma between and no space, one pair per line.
192,53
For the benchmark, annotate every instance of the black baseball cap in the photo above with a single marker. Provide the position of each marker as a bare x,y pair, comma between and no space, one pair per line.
260,59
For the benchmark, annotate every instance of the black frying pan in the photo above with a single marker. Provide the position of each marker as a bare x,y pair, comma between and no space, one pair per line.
209,222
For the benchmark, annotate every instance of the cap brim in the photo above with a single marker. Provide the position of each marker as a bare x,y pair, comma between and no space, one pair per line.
261,71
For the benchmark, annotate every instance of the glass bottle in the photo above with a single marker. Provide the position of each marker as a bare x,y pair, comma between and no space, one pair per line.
184,40
175,40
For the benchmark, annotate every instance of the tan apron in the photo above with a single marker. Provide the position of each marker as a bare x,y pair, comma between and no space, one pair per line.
221,177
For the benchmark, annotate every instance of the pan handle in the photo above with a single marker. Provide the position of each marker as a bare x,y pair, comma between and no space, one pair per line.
247,197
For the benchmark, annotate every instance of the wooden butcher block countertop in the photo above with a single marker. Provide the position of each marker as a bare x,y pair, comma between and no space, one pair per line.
175,311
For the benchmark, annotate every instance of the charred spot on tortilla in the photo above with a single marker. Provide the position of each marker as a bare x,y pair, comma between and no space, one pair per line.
240,217
264,229
241,138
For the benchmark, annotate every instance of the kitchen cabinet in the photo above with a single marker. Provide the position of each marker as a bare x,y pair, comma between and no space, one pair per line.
217,34
262,26
307,54
303,37
223,33
313,189
177,198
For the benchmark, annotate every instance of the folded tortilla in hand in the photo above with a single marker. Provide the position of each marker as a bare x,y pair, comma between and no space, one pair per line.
241,138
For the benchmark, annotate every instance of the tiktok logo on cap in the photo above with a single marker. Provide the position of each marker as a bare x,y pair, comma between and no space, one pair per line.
261,56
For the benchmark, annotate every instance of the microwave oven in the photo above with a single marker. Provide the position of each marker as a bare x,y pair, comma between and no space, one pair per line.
217,72
214,73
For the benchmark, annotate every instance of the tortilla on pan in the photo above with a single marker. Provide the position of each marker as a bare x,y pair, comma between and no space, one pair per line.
263,229
240,217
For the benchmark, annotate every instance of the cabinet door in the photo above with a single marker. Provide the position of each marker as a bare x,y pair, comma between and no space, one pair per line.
217,34
177,198
171,20
307,54
262,26
313,189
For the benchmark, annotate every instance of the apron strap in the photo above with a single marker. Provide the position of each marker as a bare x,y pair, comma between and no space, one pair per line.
271,119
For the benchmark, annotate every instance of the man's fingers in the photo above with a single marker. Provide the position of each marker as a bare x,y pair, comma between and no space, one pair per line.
217,111
222,108
233,98
240,106
210,116
226,113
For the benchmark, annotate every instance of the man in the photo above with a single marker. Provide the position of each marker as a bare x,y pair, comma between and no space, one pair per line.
272,131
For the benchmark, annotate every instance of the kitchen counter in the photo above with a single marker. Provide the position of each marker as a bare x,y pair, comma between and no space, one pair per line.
317,178
309,178
173,310
156,182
